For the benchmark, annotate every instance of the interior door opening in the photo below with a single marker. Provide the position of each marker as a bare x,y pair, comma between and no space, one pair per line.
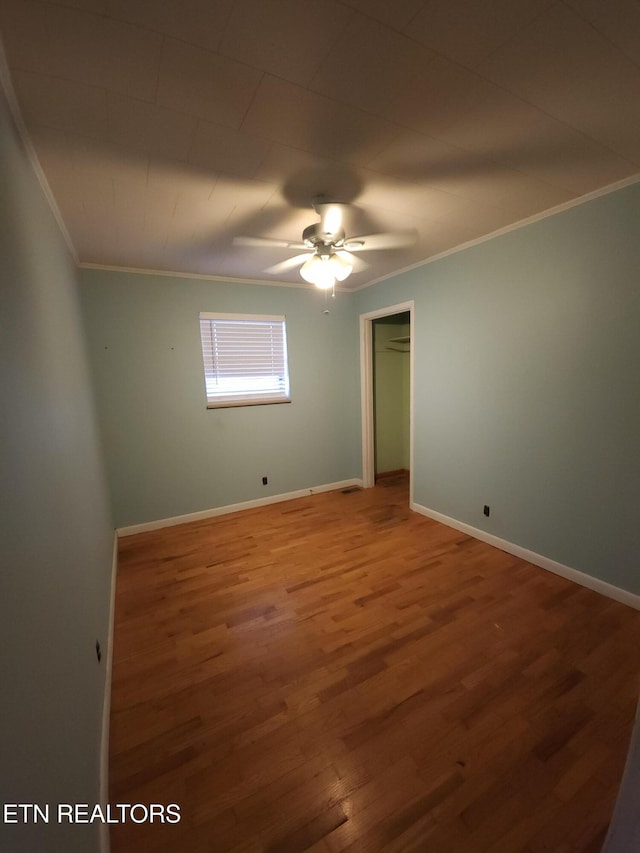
386,338
391,347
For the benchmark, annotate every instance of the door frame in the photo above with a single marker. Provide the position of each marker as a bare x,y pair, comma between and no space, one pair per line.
366,389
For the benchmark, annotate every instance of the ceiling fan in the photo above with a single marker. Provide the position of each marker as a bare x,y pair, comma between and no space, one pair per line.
328,254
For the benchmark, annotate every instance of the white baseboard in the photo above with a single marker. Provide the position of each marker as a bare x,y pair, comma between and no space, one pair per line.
225,510
604,588
105,842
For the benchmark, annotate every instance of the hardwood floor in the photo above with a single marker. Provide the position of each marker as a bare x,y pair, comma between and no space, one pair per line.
336,673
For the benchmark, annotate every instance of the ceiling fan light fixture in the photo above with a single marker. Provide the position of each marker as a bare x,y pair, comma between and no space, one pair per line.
342,268
324,270
317,270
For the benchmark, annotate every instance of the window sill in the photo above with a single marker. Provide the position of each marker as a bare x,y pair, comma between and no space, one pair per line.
241,403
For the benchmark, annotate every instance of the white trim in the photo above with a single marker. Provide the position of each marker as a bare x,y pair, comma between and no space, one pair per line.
262,318
366,388
388,310
366,401
7,86
225,510
412,375
604,588
521,223
105,842
204,277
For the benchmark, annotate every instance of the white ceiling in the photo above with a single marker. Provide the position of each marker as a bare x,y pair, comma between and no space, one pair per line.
167,127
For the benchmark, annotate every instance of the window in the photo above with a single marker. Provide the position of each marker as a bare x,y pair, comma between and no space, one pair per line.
245,359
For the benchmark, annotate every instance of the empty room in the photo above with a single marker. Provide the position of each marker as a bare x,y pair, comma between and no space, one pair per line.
320,365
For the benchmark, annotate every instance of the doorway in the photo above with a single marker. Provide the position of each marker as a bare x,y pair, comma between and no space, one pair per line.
387,369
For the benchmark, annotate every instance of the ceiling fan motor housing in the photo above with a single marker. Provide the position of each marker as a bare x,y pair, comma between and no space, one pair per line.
315,238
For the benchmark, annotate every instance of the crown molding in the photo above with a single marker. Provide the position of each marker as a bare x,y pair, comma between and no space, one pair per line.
522,223
6,85
202,277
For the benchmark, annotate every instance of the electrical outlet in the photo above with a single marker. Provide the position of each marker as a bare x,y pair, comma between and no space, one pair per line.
265,480
98,651
487,510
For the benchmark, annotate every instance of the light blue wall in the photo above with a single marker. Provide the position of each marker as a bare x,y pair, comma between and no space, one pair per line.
527,368
57,537
167,454
527,349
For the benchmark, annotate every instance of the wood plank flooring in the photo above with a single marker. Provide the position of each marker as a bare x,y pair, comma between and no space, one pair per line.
336,673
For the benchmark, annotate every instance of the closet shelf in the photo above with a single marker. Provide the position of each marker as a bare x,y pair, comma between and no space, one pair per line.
400,344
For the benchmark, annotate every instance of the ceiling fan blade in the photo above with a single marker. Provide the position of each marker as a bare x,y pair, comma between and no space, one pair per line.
267,243
388,240
289,264
357,263
331,216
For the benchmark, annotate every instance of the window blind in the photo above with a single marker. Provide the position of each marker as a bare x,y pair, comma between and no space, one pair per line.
245,359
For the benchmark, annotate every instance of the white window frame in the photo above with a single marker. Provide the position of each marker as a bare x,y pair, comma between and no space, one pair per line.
243,390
